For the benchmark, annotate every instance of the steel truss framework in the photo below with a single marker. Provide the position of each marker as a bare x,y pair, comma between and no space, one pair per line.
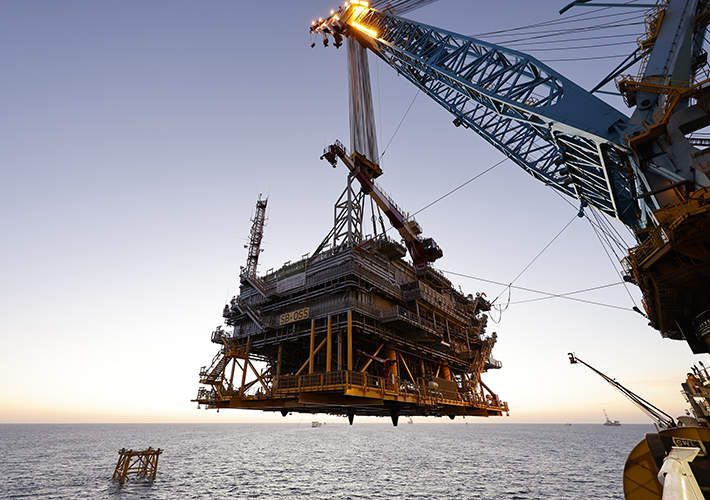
551,127
143,464
353,331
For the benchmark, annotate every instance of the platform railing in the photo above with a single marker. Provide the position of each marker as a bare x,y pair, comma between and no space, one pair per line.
343,380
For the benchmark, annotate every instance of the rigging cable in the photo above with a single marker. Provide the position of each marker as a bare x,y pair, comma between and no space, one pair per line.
550,295
511,285
566,295
459,187
400,123
532,262
400,6
604,227
609,256
585,58
553,22
454,190
615,23
571,31
576,39
581,47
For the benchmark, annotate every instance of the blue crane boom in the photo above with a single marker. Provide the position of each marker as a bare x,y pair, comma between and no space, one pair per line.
641,170
555,130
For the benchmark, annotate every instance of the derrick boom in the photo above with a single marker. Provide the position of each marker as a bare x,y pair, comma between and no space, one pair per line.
422,250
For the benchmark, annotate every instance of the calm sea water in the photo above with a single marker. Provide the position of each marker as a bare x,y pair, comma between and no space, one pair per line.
366,461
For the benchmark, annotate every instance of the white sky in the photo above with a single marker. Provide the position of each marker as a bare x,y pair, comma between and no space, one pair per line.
134,140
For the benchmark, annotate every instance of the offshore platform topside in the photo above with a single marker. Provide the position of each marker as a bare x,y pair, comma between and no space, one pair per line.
353,328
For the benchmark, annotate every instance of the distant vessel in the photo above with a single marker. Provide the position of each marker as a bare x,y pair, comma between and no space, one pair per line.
568,424
315,423
611,423
410,421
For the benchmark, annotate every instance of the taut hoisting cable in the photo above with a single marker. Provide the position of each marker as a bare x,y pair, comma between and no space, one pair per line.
400,123
510,285
595,58
566,31
578,39
459,187
531,262
599,232
573,31
583,16
582,47
455,189
606,233
525,37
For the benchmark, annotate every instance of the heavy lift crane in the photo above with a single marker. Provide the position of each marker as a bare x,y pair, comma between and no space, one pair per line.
422,250
644,171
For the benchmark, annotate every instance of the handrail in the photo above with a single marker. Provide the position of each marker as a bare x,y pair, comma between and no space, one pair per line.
344,379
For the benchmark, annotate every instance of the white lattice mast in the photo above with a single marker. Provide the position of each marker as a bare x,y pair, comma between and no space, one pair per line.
257,232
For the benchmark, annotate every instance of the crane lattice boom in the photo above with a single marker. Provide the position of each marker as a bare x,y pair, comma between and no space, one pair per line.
644,171
551,127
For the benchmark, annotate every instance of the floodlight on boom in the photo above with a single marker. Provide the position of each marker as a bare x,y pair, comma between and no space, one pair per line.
365,30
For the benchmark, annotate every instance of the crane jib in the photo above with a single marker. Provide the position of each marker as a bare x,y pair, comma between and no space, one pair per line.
548,125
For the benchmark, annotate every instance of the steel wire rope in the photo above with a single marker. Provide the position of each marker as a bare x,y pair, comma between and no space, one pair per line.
583,47
455,189
400,122
605,37
549,294
612,234
617,23
511,285
603,231
568,32
615,56
619,241
524,35
400,6
459,187
553,22
566,295
520,38
504,308
611,260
